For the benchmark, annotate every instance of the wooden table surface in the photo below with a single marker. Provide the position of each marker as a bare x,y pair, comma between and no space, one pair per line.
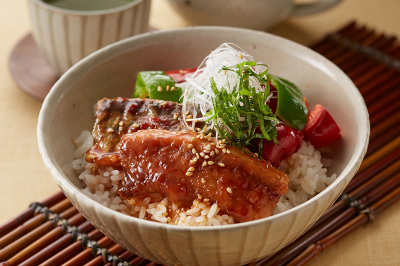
24,178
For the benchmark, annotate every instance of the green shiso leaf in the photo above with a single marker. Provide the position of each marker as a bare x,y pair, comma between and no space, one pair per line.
242,114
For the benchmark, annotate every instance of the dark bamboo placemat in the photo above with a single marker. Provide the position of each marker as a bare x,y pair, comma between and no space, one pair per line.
53,232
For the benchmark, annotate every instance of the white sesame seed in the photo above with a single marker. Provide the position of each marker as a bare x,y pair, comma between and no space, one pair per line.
199,196
135,125
175,116
203,180
131,201
172,88
190,146
159,89
121,123
216,151
206,200
109,130
191,169
221,164
189,173
192,139
241,56
228,151
229,190
208,147
187,112
202,154
212,153
189,117
210,162
167,89
194,151
206,157
204,164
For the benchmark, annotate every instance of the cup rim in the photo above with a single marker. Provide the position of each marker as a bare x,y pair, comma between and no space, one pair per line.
88,12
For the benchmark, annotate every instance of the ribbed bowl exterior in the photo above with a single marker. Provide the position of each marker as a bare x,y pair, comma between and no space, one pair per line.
65,37
111,72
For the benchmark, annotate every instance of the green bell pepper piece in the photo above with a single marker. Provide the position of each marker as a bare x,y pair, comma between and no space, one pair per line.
291,107
156,85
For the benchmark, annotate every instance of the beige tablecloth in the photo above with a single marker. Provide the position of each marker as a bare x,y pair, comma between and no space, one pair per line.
24,178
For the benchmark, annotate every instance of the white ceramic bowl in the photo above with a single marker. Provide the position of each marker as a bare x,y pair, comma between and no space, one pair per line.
111,72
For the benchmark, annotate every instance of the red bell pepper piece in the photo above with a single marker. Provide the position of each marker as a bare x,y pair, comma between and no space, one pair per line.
180,75
289,141
321,129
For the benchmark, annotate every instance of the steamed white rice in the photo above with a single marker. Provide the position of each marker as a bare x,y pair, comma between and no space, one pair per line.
306,169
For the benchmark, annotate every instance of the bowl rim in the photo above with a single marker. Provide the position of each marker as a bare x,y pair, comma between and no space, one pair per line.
119,47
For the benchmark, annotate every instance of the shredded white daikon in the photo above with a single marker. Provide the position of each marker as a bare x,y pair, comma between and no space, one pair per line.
197,89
